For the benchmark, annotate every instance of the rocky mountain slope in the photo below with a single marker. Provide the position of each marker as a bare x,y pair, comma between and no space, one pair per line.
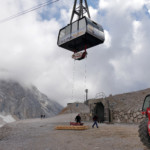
25,102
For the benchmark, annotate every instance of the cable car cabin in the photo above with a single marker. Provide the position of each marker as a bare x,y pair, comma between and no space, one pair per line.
80,34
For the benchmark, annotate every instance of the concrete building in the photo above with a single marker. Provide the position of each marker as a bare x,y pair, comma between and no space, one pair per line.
121,108
125,108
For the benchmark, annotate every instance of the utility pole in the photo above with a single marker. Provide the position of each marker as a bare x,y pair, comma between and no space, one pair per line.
86,91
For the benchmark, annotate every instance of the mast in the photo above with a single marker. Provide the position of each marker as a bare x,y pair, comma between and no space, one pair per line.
80,10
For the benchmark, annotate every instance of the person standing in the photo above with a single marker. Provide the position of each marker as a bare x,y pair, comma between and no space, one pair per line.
95,119
78,119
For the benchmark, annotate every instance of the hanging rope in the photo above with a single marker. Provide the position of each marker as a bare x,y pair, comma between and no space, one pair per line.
73,78
85,77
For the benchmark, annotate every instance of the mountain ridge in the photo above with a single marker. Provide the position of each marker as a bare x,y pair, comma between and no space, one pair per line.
25,102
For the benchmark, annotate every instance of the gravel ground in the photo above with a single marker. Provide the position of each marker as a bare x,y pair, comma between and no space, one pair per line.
37,134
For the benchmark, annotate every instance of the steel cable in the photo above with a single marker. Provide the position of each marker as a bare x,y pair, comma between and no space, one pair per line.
28,10
73,81
85,75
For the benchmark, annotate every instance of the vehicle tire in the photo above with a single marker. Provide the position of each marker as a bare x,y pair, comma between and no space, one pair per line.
143,133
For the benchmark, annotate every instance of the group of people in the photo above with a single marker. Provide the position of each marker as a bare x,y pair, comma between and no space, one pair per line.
42,116
95,120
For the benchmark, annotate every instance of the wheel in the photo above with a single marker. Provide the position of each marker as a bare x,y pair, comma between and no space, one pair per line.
143,133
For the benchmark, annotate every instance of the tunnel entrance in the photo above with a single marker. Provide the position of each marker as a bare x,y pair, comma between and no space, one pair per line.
99,111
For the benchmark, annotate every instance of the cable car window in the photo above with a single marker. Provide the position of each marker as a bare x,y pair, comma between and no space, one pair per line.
90,28
100,28
67,30
82,23
62,34
75,27
95,25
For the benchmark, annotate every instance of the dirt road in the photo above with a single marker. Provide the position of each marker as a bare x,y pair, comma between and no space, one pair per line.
37,134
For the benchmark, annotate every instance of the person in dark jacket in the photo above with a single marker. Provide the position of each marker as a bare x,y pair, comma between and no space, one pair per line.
95,119
78,119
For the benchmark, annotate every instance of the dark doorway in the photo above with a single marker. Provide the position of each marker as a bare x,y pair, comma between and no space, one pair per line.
99,111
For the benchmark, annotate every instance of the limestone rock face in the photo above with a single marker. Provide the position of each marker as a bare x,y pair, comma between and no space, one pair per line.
25,102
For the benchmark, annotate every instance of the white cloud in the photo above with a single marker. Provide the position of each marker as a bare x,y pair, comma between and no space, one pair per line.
93,13
129,43
122,5
29,51
107,42
137,37
65,16
148,6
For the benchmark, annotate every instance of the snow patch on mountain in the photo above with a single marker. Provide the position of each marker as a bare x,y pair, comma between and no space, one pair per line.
6,119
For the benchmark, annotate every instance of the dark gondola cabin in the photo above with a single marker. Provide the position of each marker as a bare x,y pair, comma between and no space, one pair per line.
80,34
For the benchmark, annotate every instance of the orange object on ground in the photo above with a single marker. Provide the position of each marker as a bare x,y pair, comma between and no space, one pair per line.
66,127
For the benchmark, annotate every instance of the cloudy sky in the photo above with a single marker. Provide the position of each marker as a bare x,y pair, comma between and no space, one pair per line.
29,51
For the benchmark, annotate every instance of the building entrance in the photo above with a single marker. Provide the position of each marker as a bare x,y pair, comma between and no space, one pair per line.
99,111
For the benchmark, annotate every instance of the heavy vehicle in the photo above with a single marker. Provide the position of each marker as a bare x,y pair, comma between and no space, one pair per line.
144,127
